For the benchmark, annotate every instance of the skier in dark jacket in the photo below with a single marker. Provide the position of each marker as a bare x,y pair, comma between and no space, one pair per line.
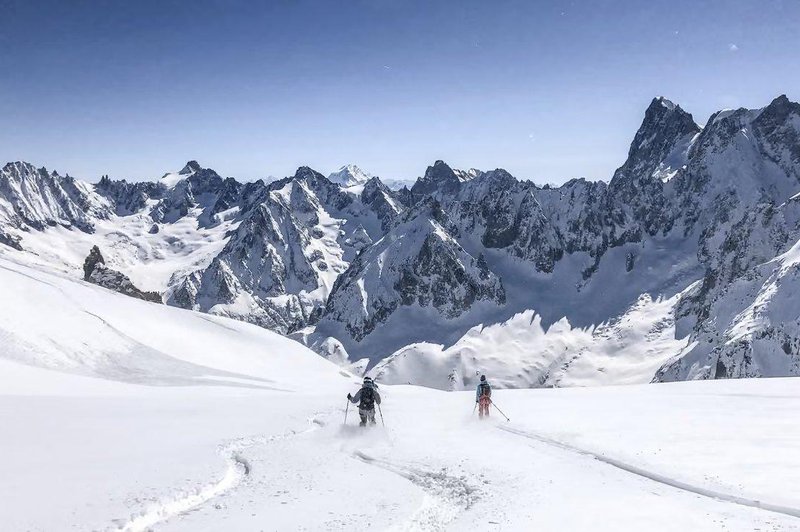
366,398
483,396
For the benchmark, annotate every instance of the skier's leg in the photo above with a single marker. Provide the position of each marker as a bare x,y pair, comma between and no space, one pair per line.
363,415
372,417
484,407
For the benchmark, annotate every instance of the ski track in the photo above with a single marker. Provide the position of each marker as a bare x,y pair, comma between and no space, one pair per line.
445,495
656,477
238,469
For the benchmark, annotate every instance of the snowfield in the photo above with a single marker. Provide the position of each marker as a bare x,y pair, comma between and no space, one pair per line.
119,414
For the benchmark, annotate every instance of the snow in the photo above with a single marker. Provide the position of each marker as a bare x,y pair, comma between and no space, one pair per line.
676,160
226,426
172,179
150,260
397,184
521,353
350,175
666,103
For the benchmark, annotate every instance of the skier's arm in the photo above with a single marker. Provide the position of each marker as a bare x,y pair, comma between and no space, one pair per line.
377,397
356,398
477,393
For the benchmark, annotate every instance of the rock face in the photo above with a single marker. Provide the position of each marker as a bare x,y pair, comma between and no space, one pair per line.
418,263
129,198
96,272
703,218
441,179
32,198
295,237
199,188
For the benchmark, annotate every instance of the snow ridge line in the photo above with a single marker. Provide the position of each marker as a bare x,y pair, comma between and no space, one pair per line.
656,477
238,468
446,495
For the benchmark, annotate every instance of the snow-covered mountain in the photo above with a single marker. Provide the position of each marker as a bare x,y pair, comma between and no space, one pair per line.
682,266
295,237
349,175
417,263
34,199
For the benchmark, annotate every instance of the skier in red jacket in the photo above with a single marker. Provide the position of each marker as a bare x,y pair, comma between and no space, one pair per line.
483,396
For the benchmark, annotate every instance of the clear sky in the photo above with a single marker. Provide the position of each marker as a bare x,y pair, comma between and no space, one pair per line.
549,90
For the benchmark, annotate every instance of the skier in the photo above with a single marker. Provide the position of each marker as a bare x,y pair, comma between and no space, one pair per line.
366,398
483,396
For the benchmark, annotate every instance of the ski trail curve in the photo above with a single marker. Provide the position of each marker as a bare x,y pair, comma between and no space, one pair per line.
237,470
445,495
656,477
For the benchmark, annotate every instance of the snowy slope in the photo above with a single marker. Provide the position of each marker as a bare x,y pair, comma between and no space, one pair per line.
54,322
124,415
521,353
350,175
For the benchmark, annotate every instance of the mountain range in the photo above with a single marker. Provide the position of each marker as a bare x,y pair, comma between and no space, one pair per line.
684,265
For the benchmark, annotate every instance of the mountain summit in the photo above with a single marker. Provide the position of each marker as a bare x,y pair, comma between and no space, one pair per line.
350,175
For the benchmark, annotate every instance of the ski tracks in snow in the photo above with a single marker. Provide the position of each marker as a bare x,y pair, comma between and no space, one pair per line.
446,495
237,470
656,477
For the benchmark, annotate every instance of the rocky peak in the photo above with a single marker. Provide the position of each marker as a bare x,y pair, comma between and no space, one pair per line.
498,178
205,180
34,198
779,125
659,151
305,173
375,185
417,263
381,201
190,168
20,170
97,272
664,127
192,187
438,178
92,260
779,109
749,155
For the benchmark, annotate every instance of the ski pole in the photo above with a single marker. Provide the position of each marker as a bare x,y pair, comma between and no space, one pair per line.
346,408
474,407
381,413
501,412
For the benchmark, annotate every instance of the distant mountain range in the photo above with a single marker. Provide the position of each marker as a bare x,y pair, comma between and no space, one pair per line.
685,265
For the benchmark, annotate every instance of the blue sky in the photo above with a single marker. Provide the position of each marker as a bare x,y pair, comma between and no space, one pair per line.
548,90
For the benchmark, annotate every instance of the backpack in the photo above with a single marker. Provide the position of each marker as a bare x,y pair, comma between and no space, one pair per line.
486,390
367,398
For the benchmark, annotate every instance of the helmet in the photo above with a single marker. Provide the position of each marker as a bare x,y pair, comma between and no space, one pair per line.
367,379
483,378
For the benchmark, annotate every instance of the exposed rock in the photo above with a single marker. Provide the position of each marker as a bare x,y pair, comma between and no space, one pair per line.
96,272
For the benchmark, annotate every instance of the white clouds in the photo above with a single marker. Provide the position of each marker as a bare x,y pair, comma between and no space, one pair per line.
733,48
